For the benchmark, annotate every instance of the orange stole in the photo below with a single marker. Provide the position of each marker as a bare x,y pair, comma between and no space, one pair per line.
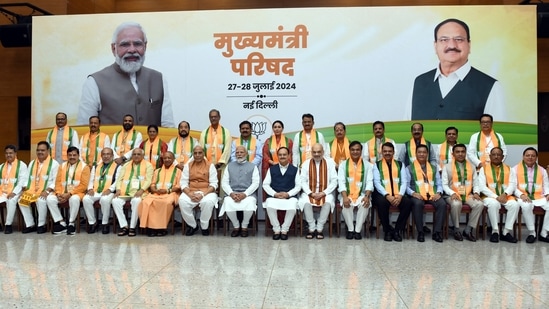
250,149
481,146
77,183
444,154
320,176
213,149
274,146
167,179
373,152
425,189
496,178
67,140
34,185
121,144
183,150
103,179
337,153
386,178
139,172
9,181
305,154
153,151
412,148
522,179
465,178
91,145
355,174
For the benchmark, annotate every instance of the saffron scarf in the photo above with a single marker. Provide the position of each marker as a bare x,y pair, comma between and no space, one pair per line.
425,182
304,146
354,174
339,154
534,192
274,146
320,176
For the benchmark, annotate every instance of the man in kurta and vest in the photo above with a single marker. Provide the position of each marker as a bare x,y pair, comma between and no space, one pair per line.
318,182
282,185
93,142
444,150
339,147
254,147
372,148
216,141
101,187
460,184
61,137
425,186
496,183
182,146
156,208
455,89
304,141
408,156
126,84
123,142
198,185
132,182
70,186
355,178
14,175
41,183
240,182
390,182
532,190
481,143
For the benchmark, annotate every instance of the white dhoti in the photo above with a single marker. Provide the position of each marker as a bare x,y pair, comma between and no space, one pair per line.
248,206
206,204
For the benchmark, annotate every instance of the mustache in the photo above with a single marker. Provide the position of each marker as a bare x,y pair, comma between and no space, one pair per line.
127,55
453,49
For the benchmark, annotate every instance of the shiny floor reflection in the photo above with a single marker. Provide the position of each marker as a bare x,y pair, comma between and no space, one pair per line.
107,271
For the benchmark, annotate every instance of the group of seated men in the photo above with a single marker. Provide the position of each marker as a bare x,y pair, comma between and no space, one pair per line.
192,173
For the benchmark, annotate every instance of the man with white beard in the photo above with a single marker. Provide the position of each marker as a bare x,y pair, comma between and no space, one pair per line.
108,94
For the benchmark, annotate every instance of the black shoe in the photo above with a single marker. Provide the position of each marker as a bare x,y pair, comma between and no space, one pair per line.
284,236
41,229
205,232
494,237
469,236
29,229
388,236
458,236
373,229
426,229
106,229
71,229
58,228
191,230
358,236
177,224
421,237
350,235
437,237
275,236
92,228
529,240
543,239
508,238
8,229
236,232
396,235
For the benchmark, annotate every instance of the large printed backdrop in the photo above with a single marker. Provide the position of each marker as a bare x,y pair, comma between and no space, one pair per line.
354,65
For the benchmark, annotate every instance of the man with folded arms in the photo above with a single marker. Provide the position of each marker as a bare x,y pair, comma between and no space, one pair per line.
132,182
14,175
198,185
282,185
70,186
532,190
355,178
41,183
460,183
101,187
495,184
240,182
318,182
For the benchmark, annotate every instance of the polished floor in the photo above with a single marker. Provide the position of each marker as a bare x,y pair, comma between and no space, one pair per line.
107,271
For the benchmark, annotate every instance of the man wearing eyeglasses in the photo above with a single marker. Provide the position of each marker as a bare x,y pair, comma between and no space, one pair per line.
455,89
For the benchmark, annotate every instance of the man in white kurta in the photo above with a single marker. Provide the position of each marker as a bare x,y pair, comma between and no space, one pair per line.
240,182
532,189
198,186
355,178
305,139
481,143
281,184
318,182
14,175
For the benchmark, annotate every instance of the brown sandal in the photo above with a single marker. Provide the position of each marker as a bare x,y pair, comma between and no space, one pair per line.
123,232
131,233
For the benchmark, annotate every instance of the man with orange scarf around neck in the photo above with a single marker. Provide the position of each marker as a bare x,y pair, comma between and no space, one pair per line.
41,183
132,183
338,148
372,148
425,186
460,183
481,143
124,141
156,208
318,182
198,186
254,148
70,186
14,175
495,183
216,141
532,190
61,137
93,142
355,178
304,141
